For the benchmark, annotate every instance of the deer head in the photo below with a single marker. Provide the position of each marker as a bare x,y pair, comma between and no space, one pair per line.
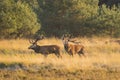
65,39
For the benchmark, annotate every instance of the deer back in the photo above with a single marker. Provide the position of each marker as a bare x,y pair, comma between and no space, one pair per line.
49,48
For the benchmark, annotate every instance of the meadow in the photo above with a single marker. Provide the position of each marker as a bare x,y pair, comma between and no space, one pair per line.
102,61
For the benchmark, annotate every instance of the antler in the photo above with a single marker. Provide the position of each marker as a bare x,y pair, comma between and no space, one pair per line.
31,41
69,38
37,39
66,36
63,37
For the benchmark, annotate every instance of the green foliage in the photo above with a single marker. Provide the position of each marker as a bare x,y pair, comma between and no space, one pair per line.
17,19
78,17
111,22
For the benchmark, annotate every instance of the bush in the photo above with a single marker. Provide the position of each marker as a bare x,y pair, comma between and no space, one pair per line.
17,19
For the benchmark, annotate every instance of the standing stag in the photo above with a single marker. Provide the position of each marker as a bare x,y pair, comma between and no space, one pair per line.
72,47
46,49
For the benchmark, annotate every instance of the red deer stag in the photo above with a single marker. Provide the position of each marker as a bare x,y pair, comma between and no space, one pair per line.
71,47
46,49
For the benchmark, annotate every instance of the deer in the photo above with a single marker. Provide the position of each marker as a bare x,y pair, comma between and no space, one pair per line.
45,49
71,47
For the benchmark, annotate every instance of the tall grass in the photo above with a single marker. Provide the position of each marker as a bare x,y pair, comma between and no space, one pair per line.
99,54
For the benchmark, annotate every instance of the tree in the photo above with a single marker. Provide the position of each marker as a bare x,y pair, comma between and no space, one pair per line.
79,18
66,16
17,19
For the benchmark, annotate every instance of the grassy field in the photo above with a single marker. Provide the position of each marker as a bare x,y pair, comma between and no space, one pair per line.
17,62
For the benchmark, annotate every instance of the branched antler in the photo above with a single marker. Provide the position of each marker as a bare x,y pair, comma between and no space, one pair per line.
37,39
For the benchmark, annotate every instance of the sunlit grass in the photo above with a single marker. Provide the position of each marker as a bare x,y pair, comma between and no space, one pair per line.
96,50
17,62
14,44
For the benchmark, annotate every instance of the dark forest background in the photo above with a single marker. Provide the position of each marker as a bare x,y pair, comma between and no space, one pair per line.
83,18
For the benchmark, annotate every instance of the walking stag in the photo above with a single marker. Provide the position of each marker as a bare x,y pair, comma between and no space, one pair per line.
46,49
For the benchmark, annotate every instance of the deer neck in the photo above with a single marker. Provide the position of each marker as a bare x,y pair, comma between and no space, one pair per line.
37,49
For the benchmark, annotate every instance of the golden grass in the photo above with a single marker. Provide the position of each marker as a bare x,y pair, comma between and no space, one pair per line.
14,44
102,61
98,54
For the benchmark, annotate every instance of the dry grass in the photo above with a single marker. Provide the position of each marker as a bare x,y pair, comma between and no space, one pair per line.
100,56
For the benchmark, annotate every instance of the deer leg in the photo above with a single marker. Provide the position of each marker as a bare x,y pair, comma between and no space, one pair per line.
71,53
81,52
79,55
45,54
58,55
